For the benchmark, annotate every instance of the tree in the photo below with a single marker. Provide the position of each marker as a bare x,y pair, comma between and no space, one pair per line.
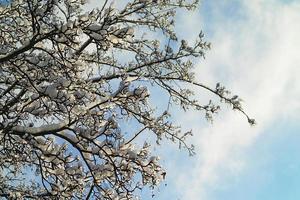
70,78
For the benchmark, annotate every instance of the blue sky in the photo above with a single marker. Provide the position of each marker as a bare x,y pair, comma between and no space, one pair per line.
273,168
255,53
4,2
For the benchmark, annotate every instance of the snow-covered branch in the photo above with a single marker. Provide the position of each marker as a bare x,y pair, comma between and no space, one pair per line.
75,85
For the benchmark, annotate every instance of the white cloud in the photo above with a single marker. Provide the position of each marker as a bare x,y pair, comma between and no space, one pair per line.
257,57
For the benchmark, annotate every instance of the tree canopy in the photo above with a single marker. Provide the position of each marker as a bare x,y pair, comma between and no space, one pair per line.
71,77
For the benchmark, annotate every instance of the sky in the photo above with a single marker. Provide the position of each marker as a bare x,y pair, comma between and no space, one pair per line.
255,54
